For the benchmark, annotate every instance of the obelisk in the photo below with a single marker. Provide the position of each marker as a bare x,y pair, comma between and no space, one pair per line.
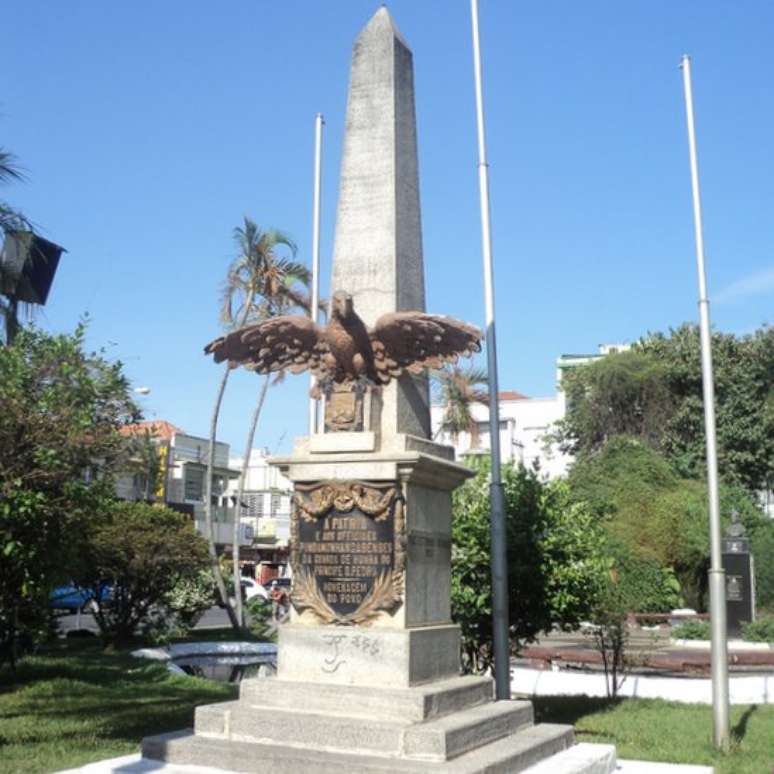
368,667
377,255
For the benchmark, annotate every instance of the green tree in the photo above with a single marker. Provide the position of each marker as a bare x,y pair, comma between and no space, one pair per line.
655,515
555,562
143,552
457,389
744,395
62,409
11,220
260,283
654,394
625,393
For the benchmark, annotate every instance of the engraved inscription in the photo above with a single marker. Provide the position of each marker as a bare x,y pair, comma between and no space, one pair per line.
348,550
346,554
734,584
340,644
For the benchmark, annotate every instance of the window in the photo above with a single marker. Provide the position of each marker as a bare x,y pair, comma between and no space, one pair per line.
194,483
253,504
218,484
276,499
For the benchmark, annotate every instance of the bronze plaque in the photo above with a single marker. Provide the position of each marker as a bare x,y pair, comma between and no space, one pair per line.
348,550
734,587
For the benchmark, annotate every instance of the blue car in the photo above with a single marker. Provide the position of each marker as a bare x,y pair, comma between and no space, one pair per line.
73,598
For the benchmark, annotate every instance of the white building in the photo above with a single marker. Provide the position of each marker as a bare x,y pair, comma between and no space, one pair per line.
266,499
180,481
526,424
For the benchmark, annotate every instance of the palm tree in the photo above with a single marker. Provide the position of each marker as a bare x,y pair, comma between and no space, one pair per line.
11,220
457,389
260,283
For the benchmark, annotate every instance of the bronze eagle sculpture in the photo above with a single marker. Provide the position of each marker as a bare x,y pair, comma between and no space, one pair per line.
345,350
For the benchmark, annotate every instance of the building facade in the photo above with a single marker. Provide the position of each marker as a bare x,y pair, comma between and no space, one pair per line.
169,466
526,424
266,502
525,433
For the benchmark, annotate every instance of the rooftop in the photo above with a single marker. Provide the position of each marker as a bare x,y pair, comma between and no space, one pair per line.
158,428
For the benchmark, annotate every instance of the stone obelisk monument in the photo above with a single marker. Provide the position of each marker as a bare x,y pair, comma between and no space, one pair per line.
377,255
368,667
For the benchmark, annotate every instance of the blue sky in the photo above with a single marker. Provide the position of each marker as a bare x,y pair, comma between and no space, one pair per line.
149,129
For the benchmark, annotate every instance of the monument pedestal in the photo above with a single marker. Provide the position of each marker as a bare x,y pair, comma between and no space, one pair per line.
383,694
367,657
288,727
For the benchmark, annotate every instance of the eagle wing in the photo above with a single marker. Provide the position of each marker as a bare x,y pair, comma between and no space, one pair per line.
413,341
288,342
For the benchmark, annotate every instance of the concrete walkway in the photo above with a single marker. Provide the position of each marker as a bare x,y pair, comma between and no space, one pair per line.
749,689
134,764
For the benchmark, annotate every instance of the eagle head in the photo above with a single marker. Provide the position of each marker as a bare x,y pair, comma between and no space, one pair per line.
342,304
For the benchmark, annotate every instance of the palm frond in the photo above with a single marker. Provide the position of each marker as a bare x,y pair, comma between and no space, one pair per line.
457,390
262,281
274,237
9,169
13,220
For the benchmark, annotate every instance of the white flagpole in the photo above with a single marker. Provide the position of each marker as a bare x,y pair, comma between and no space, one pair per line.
499,555
717,579
318,125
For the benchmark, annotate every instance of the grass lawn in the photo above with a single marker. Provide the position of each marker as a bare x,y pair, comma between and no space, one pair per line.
655,730
73,703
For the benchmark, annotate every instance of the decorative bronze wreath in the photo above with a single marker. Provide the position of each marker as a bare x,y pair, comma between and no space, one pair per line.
315,501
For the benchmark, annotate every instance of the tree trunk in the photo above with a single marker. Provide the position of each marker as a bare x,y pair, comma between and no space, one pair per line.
213,551
11,320
235,622
240,491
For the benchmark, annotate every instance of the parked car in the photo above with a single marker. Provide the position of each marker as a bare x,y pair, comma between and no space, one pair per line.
250,588
72,598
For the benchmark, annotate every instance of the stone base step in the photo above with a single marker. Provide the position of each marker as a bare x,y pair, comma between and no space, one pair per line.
438,739
583,758
400,704
509,755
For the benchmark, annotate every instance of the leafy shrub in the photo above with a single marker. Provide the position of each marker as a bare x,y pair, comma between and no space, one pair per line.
144,552
180,609
644,586
258,612
691,630
555,565
761,630
190,598
634,584
761,532
645,506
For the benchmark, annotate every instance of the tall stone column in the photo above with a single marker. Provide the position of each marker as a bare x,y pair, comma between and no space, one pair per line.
377,255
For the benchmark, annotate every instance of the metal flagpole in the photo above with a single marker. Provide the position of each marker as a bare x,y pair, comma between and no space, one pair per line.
318,125
499,553
717,580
